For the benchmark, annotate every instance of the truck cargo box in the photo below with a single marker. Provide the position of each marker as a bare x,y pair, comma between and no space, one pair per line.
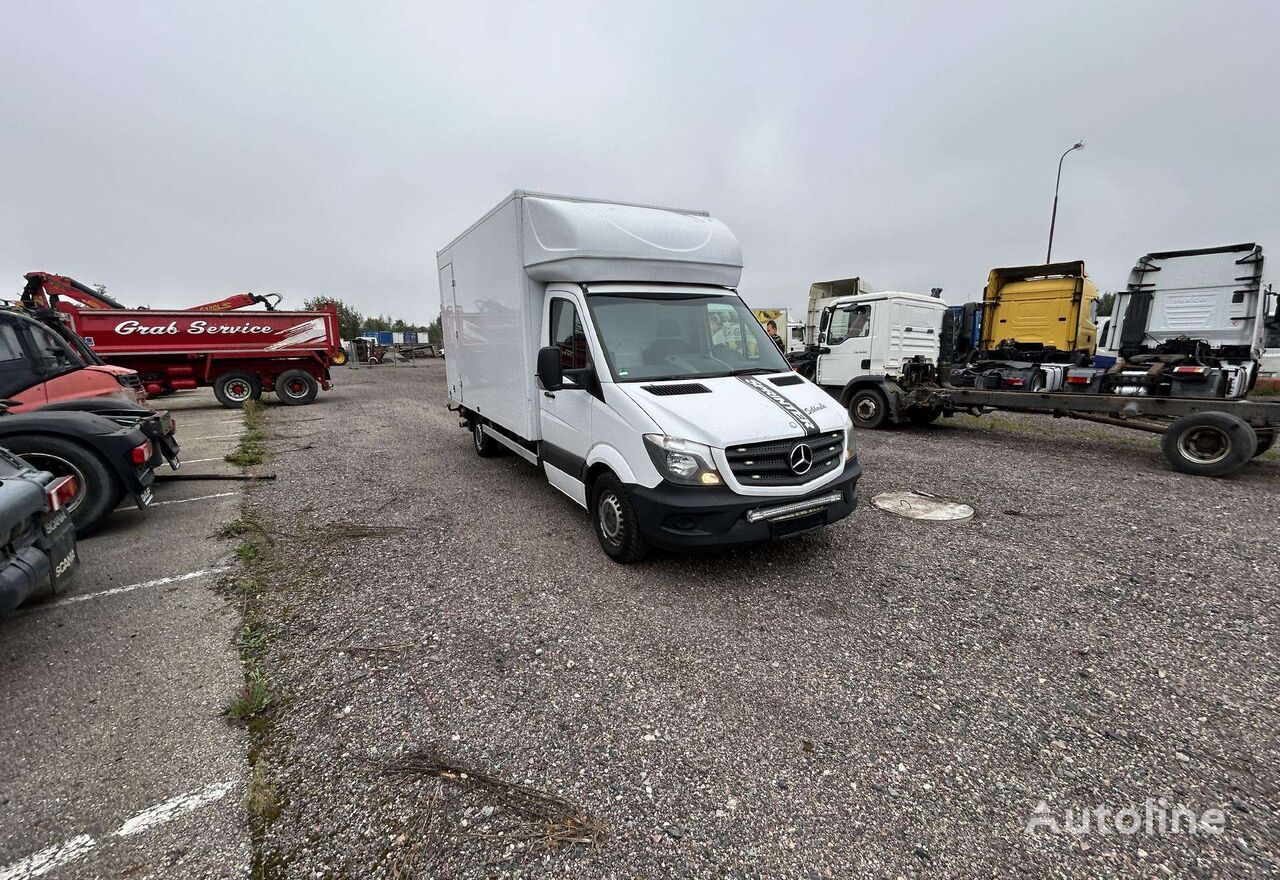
493,278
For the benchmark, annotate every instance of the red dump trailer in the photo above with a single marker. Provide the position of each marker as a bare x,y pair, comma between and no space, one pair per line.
240,352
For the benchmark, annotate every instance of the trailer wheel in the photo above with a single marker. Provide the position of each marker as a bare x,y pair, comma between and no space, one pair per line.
921,416
616,524
1210,444
99,490
868,408
233,390
296,387
1266,439
339,357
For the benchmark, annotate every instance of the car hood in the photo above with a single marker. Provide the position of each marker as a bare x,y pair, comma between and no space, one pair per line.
737,409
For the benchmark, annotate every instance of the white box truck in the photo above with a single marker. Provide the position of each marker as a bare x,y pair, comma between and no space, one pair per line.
606,344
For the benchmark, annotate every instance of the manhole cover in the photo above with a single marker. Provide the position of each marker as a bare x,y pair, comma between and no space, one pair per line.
922,505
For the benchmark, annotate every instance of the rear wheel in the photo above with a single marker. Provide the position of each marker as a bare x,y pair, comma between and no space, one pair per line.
98,489
868,408
1210,444
1266,439
616,524
339,357
296,387
921,415
234,389
484,445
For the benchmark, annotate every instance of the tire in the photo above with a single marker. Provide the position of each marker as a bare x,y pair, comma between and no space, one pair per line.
1210,444
339,358
615,522
296,387
1266,439
484,445
235,388
868,408
919,416
100,490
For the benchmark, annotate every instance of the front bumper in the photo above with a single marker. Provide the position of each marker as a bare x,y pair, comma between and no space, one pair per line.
691,517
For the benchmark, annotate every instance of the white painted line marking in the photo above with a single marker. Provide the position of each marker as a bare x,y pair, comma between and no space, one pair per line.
185,500
174,807
49,858
200,460
38,864
158,582
214,437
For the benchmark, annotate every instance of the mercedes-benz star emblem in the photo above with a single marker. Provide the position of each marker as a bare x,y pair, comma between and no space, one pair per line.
801,458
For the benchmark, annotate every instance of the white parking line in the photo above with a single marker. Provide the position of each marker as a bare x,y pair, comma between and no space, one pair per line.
114,591
185,500
214,437
48,858
174,807
201,460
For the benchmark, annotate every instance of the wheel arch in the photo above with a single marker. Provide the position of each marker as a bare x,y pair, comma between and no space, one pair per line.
891,390
601,459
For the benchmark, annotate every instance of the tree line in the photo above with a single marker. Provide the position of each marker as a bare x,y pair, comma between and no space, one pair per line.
352,324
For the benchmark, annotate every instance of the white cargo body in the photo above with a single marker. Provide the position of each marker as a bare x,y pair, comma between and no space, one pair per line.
493,281
606,344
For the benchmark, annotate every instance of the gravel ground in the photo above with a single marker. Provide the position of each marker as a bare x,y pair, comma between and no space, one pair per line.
885,697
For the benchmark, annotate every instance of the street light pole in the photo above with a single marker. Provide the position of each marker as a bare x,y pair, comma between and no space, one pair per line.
1053,220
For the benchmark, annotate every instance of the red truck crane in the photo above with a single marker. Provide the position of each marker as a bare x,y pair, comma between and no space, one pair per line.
239,353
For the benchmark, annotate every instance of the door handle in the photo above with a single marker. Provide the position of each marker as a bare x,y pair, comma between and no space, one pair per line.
548,394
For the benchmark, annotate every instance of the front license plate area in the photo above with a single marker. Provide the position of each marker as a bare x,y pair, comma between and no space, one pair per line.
796,525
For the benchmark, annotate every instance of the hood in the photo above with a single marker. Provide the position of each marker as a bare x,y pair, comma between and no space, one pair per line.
737,409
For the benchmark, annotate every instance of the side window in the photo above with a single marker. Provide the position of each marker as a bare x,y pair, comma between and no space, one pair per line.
849,323
51,350
567,335
10,350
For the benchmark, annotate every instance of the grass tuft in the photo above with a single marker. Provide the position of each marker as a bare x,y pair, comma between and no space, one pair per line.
250,450
254,698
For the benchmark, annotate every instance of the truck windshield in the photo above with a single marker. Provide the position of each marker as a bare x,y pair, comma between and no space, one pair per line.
649,338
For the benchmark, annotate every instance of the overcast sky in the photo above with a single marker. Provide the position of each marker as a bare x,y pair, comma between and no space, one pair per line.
178,154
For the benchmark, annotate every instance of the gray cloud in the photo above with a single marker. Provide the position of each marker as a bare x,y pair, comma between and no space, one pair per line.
178,154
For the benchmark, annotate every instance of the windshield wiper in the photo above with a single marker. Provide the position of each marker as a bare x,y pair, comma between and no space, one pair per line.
753,371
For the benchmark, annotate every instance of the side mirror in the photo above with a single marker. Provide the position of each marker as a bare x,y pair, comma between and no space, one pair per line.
549,372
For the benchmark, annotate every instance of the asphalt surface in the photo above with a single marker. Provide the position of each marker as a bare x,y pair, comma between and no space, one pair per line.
111,702
882,698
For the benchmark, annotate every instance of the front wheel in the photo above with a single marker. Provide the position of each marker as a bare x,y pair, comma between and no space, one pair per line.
98,490
616,524
233,390
1210,444
868,408
297,387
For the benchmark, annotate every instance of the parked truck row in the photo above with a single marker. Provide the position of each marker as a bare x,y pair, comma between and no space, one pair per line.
1178,356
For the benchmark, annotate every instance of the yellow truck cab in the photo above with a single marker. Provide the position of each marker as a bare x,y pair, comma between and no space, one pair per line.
1037,321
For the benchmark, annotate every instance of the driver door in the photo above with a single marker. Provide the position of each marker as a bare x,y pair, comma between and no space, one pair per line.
565,415
849,338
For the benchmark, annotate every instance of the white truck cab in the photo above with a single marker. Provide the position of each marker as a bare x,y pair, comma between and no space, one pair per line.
606,344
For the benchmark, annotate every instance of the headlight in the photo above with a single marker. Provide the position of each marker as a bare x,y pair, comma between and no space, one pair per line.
682,461
850,442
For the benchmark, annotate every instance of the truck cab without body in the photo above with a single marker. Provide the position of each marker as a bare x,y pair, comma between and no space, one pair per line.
606,344
1037,321
1189,324
869,345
